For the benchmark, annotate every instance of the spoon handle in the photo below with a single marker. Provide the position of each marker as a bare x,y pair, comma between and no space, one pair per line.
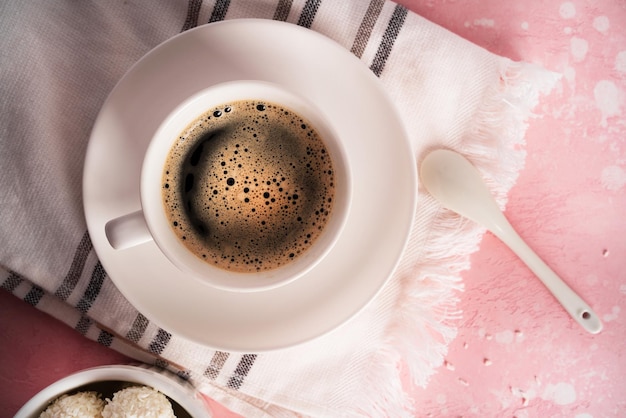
573,304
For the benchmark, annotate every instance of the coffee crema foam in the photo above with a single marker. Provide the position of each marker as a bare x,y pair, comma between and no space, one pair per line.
248,186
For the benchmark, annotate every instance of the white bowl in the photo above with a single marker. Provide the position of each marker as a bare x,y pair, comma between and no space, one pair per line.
108,379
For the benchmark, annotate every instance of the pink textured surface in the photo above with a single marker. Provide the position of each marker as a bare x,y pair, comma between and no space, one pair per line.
517,352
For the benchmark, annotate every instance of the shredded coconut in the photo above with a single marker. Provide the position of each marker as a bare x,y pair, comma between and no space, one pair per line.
79,405
138,402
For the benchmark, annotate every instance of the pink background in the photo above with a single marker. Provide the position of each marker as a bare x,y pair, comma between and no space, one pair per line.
517,352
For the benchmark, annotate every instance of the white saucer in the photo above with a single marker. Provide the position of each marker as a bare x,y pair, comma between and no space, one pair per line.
383,171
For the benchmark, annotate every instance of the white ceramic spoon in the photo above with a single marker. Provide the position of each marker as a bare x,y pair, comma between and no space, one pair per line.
458,186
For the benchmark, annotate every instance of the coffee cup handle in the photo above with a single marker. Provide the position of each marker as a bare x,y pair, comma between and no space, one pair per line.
127,231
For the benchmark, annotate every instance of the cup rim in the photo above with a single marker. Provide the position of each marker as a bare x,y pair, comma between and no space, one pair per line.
153,208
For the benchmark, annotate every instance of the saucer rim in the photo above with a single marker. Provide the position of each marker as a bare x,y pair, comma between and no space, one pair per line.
270,337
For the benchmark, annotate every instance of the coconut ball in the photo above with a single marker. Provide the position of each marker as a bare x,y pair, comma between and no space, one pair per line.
138,402
79,405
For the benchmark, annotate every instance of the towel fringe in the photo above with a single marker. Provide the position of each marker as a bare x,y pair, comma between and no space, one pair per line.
427,293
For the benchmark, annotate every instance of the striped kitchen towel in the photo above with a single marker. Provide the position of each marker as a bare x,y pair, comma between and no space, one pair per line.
60,59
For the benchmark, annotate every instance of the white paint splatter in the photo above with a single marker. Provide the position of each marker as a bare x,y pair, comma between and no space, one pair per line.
607,99
570,75
613,315
484,22
613,178
524,397
560,394
601,24
579,48
567,10
505,337
622,289
583,415
567,30
448,365
620,62
524,25
615,146
591,279
441,399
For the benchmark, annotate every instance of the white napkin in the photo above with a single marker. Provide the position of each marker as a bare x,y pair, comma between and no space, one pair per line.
58,62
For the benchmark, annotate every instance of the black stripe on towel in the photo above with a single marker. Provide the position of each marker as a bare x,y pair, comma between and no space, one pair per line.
389,37
282,10
160,341
217,363
193,11
105,338
161,363
140,324
34,295
93,289
366,27
308,13
184,374
83,325
242,370
12,282
76,269
219,11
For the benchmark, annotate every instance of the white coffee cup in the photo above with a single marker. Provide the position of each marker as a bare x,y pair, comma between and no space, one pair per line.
152,223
